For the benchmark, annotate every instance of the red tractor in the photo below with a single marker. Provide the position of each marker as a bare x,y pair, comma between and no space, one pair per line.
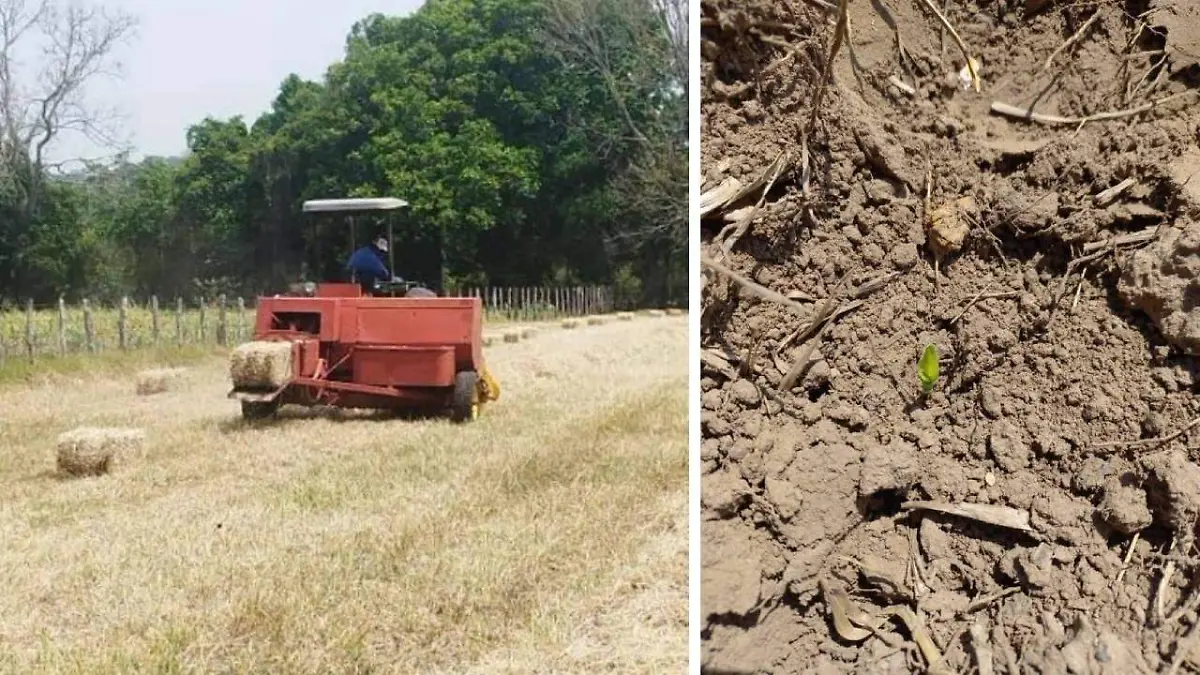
396,347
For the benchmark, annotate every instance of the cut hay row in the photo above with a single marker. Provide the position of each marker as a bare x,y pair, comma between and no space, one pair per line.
157,380
93,451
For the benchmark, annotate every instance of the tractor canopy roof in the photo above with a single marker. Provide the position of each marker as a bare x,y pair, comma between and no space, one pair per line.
353,205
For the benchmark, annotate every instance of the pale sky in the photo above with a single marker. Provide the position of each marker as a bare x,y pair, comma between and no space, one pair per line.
192,58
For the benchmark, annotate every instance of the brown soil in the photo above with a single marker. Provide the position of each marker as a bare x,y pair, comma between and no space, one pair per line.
1046,388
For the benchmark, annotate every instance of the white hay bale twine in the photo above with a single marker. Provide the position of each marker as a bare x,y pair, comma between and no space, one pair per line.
595,320
624,316
570,323
94,451
156,380
527,333
512,336
656,312
261,364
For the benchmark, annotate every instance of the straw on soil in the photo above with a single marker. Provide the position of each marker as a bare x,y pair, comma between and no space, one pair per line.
92,451
261,365
512,336
156,380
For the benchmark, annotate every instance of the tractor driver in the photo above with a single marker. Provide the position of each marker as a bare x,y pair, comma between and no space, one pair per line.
367,266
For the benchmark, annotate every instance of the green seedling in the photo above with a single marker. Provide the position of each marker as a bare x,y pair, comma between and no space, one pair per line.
927,368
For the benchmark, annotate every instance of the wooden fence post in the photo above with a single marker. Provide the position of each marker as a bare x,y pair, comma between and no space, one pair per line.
222,322
154,322
122,324
29,328
89,328
201,333
241,322
62,326
179,321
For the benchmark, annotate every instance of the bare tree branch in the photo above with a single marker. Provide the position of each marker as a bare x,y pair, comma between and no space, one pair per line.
75,44
638,51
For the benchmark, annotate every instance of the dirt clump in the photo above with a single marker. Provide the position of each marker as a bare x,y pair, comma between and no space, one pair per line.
1066,317
1163,280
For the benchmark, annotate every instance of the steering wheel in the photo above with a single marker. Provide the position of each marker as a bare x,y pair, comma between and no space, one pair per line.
401,287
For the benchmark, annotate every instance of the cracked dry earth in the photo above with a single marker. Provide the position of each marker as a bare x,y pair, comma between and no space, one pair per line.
1068,324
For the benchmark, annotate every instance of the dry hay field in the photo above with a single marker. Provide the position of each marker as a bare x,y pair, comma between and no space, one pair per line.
1036,512
548,536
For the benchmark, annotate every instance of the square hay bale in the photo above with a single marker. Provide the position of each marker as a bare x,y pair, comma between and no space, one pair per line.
624,316
595,320
512,336
570,323
656,312
674,311
527,333
261,364
488,340
93,451
157,380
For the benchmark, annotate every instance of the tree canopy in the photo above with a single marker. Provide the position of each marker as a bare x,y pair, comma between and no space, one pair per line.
536,141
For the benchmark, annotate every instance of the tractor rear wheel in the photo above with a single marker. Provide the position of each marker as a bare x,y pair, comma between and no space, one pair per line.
464,406
258,410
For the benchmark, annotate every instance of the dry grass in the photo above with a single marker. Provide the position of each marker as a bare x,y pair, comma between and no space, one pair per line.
549,536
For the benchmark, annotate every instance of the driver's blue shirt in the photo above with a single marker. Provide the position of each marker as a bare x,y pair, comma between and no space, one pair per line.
367,266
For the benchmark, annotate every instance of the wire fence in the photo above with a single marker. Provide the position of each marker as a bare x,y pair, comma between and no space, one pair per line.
36,332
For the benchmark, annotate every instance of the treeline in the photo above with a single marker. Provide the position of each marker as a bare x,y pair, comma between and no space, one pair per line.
538,142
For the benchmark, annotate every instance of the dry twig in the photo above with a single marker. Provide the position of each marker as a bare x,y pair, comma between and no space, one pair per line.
1184,647
730,235
1139,237
1105,197
966,52
754,288
982,296
1128,556
1150,443
1009,110
983,648
1075,37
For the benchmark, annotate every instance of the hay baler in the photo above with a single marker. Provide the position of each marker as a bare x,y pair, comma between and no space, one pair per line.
344,347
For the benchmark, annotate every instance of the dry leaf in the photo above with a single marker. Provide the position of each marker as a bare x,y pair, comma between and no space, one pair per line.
719,196
849,620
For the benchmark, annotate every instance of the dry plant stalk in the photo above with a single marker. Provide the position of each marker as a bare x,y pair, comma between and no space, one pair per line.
1002,516
754,288
966,52
839,33
1009,110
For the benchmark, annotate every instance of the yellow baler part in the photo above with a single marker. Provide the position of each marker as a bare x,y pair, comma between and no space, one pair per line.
493,385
